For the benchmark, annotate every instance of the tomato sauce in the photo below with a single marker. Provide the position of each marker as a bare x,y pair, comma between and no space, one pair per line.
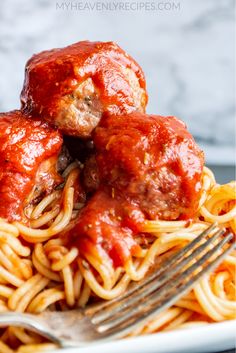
53,74
149,168
25,142
108,224
152,161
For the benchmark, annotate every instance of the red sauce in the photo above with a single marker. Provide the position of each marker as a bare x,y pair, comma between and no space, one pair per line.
53,74
152,161
131,152
24,144
109,225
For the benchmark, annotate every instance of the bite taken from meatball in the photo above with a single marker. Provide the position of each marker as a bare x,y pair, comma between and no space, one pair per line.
72,87
152,161
29,151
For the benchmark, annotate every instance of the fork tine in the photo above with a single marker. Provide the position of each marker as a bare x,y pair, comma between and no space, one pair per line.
163,267
171,299
165,297
149,286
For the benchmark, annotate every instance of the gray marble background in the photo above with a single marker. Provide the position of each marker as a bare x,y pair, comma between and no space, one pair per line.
187,53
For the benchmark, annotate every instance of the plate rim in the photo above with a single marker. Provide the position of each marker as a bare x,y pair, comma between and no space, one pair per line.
212,337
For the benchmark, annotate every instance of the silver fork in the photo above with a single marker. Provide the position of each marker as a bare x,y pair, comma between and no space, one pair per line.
139,304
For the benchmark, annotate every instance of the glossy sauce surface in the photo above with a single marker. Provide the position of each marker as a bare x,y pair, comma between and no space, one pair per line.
132,151
24,144
152,161
109,225
52,75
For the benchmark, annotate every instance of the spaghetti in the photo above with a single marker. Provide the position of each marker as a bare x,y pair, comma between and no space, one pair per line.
40,270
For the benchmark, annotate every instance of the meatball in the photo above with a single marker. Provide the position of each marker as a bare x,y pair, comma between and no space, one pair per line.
109,225
29,149
153,161
71,87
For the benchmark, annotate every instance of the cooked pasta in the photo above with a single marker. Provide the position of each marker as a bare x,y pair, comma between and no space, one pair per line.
41,270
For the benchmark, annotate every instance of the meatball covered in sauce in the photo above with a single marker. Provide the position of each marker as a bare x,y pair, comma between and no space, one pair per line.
73,86
29,150
108,225
153,161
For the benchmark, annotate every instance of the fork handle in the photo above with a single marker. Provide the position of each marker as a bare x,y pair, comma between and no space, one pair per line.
27,321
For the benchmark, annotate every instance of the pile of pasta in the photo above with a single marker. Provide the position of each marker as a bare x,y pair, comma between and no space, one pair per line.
39,270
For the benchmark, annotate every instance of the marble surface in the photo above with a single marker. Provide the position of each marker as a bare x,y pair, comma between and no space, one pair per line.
187,53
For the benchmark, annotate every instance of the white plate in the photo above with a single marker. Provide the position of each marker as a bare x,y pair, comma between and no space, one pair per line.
204,339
